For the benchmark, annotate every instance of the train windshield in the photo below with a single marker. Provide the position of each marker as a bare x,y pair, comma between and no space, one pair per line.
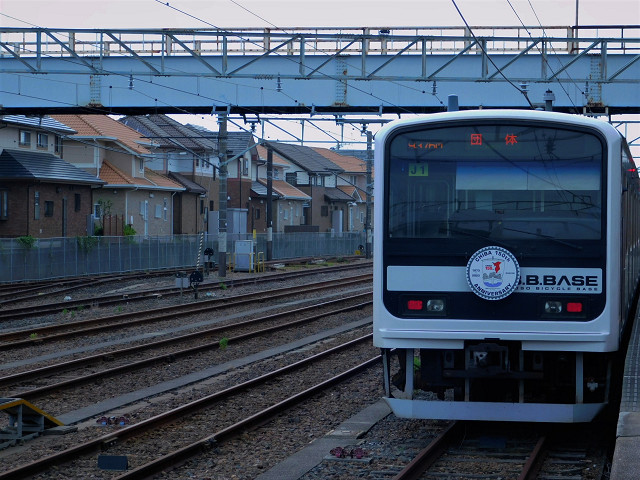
495,181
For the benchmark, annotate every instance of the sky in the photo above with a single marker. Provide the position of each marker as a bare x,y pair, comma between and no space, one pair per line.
308,13
283,14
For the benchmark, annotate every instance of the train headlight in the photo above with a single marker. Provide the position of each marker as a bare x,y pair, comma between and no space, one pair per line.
435,305
552,306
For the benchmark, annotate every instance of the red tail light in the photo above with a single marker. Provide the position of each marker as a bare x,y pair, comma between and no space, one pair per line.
574,307
414,305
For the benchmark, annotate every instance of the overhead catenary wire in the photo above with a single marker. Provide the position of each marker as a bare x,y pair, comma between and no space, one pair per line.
484,51
544,59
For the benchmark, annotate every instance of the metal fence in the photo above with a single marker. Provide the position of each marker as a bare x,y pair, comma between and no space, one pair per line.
27,259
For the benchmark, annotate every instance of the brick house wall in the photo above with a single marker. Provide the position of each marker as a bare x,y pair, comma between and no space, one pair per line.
23,220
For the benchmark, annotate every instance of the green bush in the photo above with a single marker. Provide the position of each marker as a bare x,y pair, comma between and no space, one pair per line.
27,241
86,244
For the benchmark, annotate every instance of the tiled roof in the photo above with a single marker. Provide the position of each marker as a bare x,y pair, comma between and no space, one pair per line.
44,122
361,154
277,159
306,158
348,189
162,181
20,165
337,195
348,163
192,187
236,141
286,190
169,133
152,180
114,176
260,190
102,126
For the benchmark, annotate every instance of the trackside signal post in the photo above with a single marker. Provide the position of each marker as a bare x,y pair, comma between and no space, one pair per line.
367,223
269,203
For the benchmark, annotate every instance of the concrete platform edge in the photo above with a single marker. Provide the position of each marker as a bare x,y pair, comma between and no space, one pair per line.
347,433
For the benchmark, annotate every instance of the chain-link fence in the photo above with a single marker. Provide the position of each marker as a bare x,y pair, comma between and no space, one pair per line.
26,258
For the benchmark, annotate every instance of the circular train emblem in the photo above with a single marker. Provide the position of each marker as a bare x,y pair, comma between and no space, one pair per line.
493,273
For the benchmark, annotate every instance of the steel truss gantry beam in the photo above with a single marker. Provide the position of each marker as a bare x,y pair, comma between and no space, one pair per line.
304,71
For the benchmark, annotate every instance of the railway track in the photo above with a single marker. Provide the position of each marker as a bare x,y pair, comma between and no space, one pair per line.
16,292
177,427
520,452
130,296
125,361
47,333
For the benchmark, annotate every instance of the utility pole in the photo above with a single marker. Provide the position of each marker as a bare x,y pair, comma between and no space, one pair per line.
367,221
222,195
269,203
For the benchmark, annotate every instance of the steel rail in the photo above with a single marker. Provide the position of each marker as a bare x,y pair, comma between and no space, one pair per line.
254,421
433,451
533,465
57,307
157,421
139,364
16,339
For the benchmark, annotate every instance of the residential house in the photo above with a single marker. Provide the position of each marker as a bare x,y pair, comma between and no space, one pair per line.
288,202
243,146
133,194
41,195
315,175
189,154
188,157
353,182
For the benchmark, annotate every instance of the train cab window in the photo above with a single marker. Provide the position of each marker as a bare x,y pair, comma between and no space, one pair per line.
496,181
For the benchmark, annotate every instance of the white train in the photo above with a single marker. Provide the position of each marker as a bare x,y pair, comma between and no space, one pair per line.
505,264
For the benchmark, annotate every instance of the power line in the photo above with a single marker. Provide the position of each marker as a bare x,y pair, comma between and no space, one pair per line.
544,59
521,90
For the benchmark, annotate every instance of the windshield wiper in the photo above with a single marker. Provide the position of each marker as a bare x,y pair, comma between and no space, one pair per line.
485,236
546,237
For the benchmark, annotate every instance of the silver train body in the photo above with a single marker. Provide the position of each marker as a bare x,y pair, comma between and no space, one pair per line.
506,263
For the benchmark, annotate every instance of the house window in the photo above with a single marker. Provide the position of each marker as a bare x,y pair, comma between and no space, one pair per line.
291,179
245,167
57,148
201,207
36,206
43,141
25,138
286,214
257,214
276,174
211,205
48,208
324,211
158,211
165,209
4,204
140,165
77,201
97,212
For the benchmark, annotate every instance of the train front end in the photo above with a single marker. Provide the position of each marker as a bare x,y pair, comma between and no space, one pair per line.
497,265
